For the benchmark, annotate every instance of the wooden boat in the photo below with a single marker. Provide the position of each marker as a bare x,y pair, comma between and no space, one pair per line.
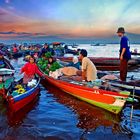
135,53
98,44
6,77
132,86
16,55
19,101
16,118
108,64
109,100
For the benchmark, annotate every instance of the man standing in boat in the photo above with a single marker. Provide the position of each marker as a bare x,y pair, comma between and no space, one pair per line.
89,72
125,53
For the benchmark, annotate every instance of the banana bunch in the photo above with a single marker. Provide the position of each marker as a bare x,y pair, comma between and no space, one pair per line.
20,89
18,86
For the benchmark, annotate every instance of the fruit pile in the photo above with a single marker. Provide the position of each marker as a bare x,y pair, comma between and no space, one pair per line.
19,90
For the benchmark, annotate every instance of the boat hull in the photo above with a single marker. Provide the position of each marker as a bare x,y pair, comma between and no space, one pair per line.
16,106
108,64
18,102
134,53
10,79
95,96
127,86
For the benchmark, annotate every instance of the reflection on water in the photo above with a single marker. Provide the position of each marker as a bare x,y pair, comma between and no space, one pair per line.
132,124
89,117
16,119
59,115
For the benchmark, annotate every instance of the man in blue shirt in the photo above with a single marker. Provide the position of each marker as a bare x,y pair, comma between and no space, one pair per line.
125,53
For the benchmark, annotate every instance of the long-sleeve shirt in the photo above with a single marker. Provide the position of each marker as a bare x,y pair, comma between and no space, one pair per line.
30,69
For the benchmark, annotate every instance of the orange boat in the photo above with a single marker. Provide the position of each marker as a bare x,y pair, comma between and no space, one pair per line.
109,100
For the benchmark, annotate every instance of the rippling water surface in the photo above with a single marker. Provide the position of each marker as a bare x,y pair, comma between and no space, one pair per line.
57,115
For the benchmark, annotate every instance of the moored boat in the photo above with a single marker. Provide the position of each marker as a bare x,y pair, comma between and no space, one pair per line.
16,118
108,64
108,100
18,101
132,86
6,77
135,53
98,44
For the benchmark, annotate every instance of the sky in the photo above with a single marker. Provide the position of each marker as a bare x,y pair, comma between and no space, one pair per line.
67,19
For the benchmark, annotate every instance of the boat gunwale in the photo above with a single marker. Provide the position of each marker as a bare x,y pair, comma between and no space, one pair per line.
23,95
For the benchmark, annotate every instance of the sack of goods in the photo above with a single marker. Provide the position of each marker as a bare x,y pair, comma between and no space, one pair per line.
32,83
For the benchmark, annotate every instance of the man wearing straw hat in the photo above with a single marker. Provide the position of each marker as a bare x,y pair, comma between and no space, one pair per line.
125,53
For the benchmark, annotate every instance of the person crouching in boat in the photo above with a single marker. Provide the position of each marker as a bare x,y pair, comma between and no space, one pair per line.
75,63
89,71
53,64
51,60
29,70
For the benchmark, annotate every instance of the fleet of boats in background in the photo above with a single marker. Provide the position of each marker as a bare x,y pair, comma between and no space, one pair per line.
62,51
111,99
98,44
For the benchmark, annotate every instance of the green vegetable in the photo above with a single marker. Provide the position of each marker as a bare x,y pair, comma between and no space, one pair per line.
54,66
48,54
43,64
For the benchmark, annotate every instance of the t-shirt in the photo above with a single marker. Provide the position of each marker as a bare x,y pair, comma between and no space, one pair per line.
90,68
125,44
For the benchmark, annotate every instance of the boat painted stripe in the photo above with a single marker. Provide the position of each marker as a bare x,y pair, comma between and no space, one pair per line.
91,95
26,94
97,91
114,108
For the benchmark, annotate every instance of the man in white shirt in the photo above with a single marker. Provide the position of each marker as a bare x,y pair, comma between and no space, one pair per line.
89,71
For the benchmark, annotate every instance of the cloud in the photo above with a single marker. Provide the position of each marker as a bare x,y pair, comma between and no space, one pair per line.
19,33
7,1
5,33
89,19
3,12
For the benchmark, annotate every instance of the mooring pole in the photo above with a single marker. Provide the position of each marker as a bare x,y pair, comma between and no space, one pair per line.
132,107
